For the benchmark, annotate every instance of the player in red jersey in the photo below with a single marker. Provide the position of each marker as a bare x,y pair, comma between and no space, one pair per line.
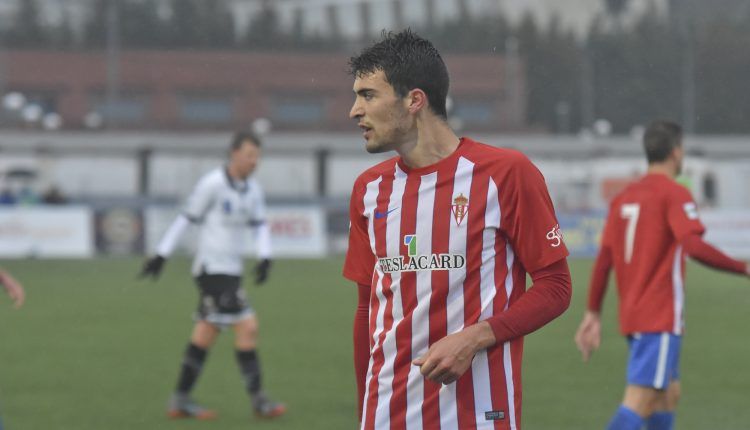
651,225
442,237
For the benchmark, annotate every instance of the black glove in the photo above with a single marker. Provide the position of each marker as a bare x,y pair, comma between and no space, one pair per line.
152,267
261,271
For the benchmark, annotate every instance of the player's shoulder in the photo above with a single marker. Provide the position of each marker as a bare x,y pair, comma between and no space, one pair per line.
497,159
213,178
255,187
373,173
484,153
637,189
253,182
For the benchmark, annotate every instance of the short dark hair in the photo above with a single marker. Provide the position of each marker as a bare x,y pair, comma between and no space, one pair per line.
408,62
660,139
241,137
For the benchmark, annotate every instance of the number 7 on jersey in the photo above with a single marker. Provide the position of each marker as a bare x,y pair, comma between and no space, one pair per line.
630,212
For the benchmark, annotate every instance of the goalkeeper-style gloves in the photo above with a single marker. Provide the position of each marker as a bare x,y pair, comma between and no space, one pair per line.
261,271
152,267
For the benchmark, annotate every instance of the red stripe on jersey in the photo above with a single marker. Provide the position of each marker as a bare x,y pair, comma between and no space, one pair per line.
495,354
409,302
472,295
384,193
516,345
438,308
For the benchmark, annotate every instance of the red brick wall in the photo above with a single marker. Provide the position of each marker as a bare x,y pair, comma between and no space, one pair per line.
252,80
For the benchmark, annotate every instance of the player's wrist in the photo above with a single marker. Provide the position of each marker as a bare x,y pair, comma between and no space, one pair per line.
592,314
482,336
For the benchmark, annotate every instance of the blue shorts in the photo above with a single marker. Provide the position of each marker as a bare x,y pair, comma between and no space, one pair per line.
654,359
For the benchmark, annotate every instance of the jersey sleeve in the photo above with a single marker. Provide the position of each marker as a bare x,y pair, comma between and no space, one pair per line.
608,232
200,200
682,213
360,260
528,218
258,213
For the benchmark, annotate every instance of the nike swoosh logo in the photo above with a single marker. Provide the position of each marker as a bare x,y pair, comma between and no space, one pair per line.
379,215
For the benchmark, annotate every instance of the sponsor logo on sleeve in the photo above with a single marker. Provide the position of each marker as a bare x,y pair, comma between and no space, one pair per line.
413,262
691,210
555,236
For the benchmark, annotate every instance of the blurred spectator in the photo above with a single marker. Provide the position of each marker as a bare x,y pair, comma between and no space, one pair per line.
54,196
27,196
7,197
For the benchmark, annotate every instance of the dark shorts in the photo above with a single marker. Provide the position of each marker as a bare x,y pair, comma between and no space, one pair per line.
222,300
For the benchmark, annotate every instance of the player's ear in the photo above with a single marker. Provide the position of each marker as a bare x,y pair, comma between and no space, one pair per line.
416,100
677,153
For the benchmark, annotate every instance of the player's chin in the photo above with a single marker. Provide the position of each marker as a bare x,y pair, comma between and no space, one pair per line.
373,146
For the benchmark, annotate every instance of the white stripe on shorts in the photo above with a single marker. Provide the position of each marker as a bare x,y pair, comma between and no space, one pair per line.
661,363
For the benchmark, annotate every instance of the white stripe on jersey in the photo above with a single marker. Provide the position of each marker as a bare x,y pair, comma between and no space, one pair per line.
661,362
456,277
420,317
371,198
392,243
677,290
370,201
480,368
507,362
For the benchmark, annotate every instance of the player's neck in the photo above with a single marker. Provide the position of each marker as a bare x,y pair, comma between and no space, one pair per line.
434,141
662,169
234,174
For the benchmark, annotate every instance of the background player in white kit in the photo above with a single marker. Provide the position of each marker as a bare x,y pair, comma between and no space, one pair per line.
224,202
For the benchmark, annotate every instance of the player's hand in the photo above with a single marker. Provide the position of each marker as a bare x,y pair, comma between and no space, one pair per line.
152,267
14,289
261,271
450,357
589,334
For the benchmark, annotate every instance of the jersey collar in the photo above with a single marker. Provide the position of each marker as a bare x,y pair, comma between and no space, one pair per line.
239,186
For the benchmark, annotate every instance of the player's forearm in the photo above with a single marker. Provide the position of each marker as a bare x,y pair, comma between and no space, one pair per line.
263,237
548,298
698,249
361,341
599,278
6,280
172,236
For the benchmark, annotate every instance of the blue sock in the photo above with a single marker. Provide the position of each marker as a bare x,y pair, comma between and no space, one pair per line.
662,420
625,419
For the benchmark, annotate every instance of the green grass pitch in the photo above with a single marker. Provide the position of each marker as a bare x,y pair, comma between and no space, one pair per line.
95,349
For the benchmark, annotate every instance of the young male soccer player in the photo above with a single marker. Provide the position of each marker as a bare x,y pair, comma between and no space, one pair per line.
651,225
441,239
224,202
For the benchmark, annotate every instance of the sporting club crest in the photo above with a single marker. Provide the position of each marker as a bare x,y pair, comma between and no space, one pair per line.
460,208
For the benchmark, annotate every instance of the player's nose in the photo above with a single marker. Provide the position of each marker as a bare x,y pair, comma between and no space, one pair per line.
357,111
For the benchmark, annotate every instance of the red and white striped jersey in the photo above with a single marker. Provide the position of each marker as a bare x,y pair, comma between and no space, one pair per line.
644,227
444,247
